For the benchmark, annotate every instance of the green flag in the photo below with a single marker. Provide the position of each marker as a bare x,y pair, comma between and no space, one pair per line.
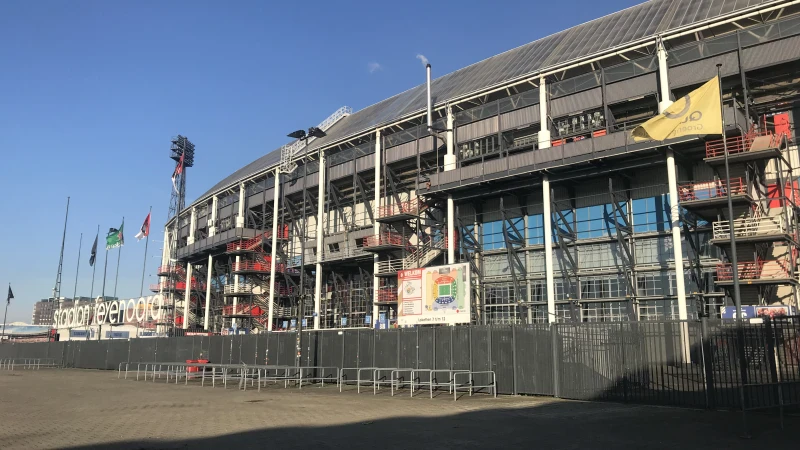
115,238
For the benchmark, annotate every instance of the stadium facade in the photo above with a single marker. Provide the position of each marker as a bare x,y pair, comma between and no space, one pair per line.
529,176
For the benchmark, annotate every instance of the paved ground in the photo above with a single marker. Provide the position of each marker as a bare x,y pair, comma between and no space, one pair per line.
93,409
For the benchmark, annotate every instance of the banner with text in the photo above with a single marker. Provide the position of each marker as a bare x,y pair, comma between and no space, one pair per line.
434,295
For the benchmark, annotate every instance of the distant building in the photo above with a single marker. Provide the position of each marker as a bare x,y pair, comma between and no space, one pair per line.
44,309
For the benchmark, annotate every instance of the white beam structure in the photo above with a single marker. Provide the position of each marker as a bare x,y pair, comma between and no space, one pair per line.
207,314
240,213
376,227
450,164
547,219
320,236
274,255
187,296
212,227
192,226
544,120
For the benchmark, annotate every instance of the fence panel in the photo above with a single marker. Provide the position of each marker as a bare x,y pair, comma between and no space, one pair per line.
227,351
407,356
118,352
480,348
590,366
249,348
56,351
534,360
386,348
443,347
166,349
786,335
426,348
142,350
215,354
287,345
92,355
331,349
461,348
184,348
366,348
502,358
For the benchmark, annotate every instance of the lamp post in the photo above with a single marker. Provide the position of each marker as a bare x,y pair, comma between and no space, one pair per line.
304,136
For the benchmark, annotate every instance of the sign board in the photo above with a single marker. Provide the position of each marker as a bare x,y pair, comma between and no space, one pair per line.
79,334
118,334
434,295
112,312
750,311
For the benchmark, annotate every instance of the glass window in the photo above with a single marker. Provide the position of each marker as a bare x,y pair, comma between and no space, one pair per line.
492,235
650,214
536,229
597,221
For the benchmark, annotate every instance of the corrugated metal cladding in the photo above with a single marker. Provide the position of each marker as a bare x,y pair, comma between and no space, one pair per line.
472,171
703,70
576,102
477,129
426,145
466,211
630,88
495,265
771,53
649,182
637,22
340,170
535,262
519,118
365,163
592,192
402,151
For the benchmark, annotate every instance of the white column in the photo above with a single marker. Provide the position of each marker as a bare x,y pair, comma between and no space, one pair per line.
677,246
320,235
187,296
450,164
663,77
212,229
240,215
376,226
547,220
208,292
274,255
544,129
192,226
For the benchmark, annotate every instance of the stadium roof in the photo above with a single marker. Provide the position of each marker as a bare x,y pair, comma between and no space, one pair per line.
629,25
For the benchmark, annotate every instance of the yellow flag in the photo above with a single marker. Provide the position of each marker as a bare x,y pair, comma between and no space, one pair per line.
697,113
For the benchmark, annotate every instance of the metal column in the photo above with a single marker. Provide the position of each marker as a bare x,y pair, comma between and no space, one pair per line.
544,129
240,215
192,226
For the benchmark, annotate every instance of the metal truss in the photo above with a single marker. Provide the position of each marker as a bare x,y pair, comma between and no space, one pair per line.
624,232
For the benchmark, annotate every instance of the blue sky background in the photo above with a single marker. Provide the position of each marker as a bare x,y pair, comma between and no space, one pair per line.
92,91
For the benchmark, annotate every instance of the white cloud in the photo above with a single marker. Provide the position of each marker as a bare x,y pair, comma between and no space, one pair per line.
374,67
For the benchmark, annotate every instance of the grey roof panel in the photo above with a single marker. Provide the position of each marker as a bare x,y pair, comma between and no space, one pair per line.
639,21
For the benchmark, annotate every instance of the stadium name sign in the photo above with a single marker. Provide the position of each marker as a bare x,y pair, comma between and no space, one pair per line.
113,312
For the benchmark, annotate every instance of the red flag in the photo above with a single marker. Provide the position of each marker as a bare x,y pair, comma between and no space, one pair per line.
145,230
178,170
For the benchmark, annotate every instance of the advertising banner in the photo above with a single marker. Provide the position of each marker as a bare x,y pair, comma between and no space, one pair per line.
434,295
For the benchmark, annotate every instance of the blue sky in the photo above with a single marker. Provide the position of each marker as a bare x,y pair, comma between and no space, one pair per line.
92,91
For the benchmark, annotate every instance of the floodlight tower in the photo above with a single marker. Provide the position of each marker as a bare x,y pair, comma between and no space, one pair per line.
182,152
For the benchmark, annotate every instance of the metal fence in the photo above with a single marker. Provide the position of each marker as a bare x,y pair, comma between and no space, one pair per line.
705,364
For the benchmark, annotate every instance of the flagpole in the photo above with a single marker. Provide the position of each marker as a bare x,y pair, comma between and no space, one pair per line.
737,298
103,294
146,241
119,255
77,270
5,316
94,266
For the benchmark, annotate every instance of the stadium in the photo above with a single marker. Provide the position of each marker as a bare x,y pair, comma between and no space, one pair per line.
528,183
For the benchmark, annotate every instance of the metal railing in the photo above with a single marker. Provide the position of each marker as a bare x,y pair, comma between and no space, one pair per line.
387,294
740,144
705,190
413,207
386,238
242,288
748,227
754,270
